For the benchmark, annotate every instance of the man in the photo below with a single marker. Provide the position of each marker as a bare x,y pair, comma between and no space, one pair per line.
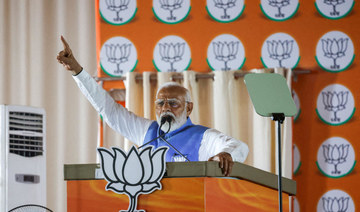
173,107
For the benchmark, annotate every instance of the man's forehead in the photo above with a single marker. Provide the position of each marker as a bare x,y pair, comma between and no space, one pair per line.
172,92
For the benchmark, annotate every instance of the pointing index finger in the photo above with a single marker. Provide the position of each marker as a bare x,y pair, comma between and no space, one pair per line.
66,46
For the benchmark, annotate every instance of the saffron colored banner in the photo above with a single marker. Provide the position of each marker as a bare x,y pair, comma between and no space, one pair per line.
178,194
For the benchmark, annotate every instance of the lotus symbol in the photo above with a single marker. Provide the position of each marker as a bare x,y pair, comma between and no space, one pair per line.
335,204
225,4
334,49
335,155
133,173
334,3
280,50
118,54
225,51
171,5
335,102
171,53
279,4
117,6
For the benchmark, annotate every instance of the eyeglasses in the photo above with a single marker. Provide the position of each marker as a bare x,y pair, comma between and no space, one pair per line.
174,103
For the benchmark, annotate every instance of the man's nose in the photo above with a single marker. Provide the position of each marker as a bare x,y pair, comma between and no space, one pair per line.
166,107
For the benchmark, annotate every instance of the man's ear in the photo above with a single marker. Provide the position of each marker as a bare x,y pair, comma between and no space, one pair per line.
189,108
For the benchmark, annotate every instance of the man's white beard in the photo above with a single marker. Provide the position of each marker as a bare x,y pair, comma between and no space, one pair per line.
176,123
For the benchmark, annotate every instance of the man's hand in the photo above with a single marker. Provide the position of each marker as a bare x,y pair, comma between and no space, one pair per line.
226,162
66,58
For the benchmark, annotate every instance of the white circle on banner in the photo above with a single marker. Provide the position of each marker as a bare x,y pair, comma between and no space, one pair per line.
225,52
336,157
279,10
334,9
280,50
225,11
172,54
118,56
171,12
335,51
117,12
297,104
296,159
335,200
296,205
335,104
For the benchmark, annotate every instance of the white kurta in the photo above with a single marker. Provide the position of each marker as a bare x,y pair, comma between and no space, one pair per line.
134,127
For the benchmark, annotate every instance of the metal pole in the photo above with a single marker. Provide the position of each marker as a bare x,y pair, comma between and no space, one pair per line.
279,118
279,162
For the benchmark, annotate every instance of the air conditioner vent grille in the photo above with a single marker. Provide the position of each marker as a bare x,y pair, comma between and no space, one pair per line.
27,146
22,121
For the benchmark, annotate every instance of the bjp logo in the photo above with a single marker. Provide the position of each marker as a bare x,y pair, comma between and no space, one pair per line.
335,200
335,52
118,56
117,12
280,50
334,9
171,11
133,173
297,103
279,10
225,11
335,157
296,159
335,105
225,52
172,54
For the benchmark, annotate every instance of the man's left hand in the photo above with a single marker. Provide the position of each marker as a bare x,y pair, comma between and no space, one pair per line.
225,161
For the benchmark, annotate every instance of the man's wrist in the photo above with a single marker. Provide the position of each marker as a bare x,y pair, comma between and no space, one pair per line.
76,72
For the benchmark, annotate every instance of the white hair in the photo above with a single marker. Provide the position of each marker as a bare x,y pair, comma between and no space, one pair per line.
175,84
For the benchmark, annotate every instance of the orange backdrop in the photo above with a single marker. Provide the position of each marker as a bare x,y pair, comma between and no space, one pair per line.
307,26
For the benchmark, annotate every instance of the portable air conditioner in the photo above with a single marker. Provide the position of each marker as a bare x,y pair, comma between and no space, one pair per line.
22,157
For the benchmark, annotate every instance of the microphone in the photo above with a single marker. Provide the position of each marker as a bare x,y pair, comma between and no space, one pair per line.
166,118
162,122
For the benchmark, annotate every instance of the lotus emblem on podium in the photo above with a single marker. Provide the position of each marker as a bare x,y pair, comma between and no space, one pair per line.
133,173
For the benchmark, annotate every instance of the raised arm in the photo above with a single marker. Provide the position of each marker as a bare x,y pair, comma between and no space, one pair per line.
67,58
116,116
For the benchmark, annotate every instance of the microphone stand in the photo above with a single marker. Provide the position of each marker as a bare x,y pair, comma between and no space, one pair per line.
163,120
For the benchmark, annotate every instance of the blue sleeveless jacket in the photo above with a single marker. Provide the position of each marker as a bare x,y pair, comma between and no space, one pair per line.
186,139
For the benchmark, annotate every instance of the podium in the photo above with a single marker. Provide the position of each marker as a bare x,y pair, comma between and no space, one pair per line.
186,186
